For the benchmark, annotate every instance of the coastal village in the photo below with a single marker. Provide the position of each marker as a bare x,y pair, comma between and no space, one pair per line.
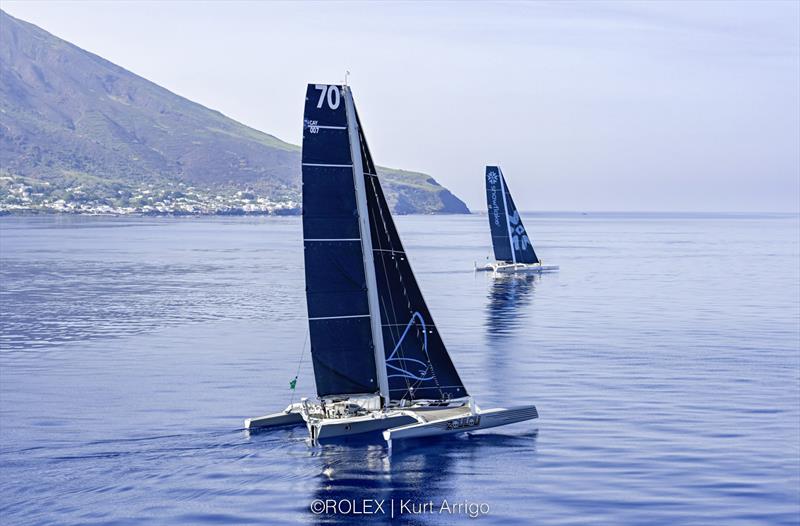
20,195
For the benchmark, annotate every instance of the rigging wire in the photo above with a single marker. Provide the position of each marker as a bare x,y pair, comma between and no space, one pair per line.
293,383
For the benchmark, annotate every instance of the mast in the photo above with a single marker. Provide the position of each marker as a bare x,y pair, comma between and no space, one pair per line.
366,243
508,223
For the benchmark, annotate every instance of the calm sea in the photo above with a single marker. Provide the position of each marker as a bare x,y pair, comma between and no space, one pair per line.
664,359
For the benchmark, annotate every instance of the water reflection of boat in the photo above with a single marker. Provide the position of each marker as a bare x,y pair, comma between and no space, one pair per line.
505,311
506,316
407,473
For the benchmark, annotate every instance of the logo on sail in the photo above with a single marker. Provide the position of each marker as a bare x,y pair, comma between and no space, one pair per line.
495,207
518,235
492,177
397,363
313,126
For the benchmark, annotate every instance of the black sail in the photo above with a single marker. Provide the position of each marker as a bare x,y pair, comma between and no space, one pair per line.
521,243
498,223
417,363
509,238
336,286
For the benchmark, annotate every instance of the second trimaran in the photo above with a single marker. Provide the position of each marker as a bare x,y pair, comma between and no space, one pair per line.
379,361
513,249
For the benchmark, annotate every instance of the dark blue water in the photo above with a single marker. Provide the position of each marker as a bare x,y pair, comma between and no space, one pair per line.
664,359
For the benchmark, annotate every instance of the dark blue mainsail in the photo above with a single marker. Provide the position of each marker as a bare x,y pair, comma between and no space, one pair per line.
336,286
498,224
360,289
417,363
509,238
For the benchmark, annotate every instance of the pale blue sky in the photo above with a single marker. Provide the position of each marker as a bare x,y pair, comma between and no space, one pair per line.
586,105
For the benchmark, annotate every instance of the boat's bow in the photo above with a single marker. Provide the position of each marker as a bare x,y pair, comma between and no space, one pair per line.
444,423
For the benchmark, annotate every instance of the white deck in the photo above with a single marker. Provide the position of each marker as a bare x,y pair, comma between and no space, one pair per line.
500,266
396,423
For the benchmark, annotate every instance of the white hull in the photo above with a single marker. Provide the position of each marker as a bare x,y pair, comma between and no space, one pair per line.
516,267
469,422
396,424
344,427
291,416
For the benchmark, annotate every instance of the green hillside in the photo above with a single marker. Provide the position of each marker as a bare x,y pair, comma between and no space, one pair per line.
79,133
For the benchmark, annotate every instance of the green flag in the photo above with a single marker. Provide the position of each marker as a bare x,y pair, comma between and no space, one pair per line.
293,384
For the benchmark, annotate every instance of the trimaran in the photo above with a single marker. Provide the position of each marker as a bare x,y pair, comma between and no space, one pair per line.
513,249
379,362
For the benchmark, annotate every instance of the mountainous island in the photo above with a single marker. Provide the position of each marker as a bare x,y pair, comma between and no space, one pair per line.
79,134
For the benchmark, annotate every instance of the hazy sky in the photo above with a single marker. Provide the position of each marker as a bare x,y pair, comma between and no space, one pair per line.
586,105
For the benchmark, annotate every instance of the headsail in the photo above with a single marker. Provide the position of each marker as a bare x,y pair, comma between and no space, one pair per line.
336,284
509,238
417,363
354,259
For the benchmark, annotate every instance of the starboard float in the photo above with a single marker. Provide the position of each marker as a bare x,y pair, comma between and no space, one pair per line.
513,249
379,362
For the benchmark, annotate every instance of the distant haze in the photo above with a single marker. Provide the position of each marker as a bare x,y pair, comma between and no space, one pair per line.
586,106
